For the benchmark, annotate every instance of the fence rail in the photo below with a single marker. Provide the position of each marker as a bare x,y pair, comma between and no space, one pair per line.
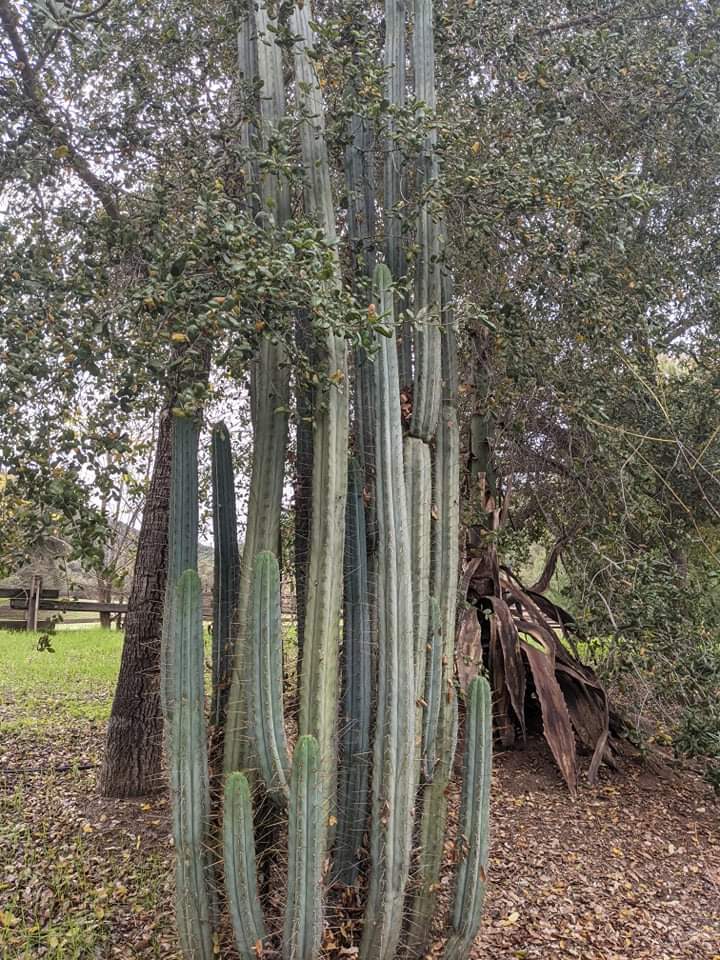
30,601
26,603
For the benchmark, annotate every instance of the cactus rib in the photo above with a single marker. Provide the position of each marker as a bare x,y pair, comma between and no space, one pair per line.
394,746
303,916
225,568
473,830
353,775
267,720
269,397
433,691
189,782
240,875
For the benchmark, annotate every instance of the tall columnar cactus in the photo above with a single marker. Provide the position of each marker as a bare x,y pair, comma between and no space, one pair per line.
182,531
267,721
183,696
393,780
319,681
473,830
354,760
428,370
303,912
395,94
227,563
418,485
360,617
434,690
239,866
270,397
444,581
189,780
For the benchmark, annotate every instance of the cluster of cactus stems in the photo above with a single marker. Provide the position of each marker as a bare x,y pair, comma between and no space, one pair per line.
378,716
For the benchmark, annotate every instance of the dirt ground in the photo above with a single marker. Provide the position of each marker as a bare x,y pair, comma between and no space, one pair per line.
628,871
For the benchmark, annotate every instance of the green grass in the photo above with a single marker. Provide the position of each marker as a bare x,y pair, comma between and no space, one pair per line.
83,877
75,680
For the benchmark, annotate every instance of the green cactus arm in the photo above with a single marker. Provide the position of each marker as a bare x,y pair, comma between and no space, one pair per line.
319,680
446,546
418,486
433,691
360,181
270,392
275,190
182,542
303,911
312,131
353,773
183,516
226,568
433,821
473,828
239,867
444,584
267,718
247,105
394,55
449,326
427,386
394,745
188,768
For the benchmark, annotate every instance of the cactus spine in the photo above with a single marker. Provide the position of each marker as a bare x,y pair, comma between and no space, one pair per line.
352,801
270,396
267,721
394,747
473,832
240,876
303,913
226,568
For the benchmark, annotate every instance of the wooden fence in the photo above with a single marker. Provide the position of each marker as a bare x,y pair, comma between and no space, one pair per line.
28,603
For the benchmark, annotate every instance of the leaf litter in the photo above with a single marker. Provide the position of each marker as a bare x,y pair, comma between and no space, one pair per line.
629,870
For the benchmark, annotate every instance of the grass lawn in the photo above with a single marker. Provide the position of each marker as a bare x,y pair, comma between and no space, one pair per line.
76,680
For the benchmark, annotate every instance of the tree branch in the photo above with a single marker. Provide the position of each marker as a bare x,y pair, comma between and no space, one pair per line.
57,135
543,582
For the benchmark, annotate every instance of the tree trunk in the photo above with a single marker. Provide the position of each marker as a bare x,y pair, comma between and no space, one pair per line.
133,749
